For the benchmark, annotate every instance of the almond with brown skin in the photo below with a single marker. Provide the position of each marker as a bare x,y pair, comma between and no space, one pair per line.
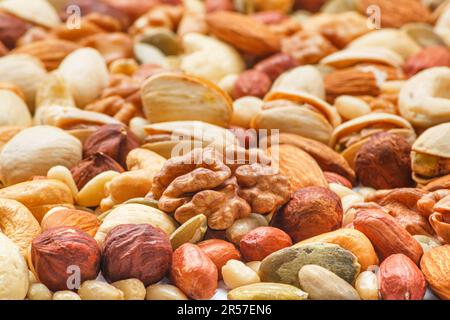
11,29
194,272
401,279
435,266
387,235
242,32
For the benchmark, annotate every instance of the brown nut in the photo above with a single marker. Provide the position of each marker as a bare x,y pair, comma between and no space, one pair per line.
253,83
112,46
92,166
114,140
219,251
219,5
194,272
310,212
59,252
275,65
11,29
387,235
401,279
262,187
262,241
138,251
384,162
82,220
429,57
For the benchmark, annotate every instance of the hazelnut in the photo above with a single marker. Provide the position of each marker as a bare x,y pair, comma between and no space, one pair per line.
114,140
275,65
384,162
262,241
83,220
56,251
219,251
252,83
310,212
92,166
138,251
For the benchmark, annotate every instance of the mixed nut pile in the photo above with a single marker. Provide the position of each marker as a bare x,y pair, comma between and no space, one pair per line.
268,149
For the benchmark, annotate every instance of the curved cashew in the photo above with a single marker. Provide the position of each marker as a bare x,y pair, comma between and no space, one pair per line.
18,223
143,165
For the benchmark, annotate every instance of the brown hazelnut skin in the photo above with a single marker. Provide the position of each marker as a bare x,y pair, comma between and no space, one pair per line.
57,249
11,29
275,65
138,251
220,252
114,140
92,166
262,241
384,162
310,212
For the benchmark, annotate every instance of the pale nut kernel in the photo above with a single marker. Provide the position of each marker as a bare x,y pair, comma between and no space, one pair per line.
341,190
254,265
164,292
97,290
236,274
94,191
228,82
64,175
350,200
137,126
244,109
65,295
38,291
392,87
367,285
133,289
32,278
350,107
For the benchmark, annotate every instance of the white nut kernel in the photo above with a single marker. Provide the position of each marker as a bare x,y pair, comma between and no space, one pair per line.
236,274
39,291
97,290
133,289
164,292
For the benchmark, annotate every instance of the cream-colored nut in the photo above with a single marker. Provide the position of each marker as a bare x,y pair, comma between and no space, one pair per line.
307,79
209,58
66,295
39,291
32,278
423,100
35,150
366,191
341,190
442,26
164,292
98,290
133,289
124,66
254,265
64,175
148,54
137,126
135,214
25,72
86,73
236,274
351,107
393,39
228,83
14,281
38,12
427,242
244,109
18,223
367,285
94,191
13,110
392,87
54,91
243,226
350,200
349,216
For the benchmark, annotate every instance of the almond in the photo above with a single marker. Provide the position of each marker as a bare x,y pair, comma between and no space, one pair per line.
363,80
435,265
387,235
401,279
242,32
395,14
